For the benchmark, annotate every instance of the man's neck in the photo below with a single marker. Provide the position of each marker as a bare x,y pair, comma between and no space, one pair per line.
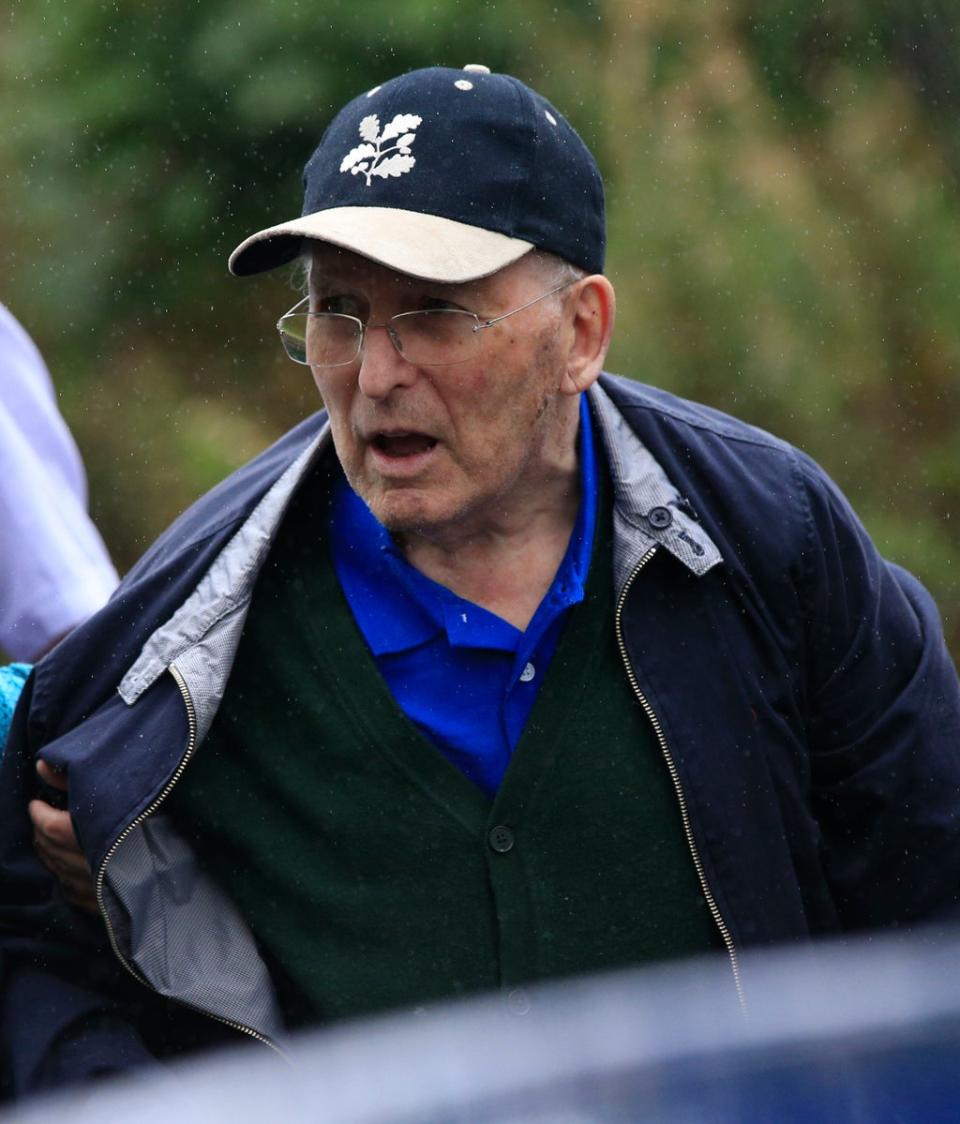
505,564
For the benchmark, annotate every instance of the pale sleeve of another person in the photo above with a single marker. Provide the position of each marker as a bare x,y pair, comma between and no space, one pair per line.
54,567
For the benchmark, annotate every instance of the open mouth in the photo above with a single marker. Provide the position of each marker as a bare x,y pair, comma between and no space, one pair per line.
403,444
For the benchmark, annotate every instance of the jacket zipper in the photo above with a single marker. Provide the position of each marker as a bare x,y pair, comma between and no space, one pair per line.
675,778
101,873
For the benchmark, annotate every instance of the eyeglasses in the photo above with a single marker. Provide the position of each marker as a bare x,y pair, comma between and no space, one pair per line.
434,337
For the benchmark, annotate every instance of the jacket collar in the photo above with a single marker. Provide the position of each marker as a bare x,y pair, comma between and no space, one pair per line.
217,608
649,512
648,509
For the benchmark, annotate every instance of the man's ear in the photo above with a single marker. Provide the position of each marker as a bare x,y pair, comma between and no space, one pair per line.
590,312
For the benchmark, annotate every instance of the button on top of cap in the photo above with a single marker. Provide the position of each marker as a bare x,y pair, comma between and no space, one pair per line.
477,68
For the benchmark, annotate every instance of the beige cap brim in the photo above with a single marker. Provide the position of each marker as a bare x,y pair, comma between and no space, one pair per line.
427,246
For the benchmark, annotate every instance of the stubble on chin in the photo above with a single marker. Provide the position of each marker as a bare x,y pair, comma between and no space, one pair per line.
396,508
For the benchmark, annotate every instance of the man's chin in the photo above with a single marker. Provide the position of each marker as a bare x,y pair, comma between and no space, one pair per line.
404,511
408,517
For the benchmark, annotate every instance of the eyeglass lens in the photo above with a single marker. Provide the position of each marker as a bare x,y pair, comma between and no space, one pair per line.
433,337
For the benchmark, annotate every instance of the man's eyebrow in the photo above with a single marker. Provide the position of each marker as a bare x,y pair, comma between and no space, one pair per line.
453,289
322,278
470,289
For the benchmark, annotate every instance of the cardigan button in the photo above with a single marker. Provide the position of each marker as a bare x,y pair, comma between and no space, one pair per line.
501,839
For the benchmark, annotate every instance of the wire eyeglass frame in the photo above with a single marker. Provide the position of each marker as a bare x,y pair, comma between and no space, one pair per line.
394,329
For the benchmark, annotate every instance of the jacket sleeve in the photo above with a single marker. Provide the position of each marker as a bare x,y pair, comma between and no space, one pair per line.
67,1015
65,1034
884,725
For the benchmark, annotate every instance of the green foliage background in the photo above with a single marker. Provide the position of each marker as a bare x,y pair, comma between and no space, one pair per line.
783,204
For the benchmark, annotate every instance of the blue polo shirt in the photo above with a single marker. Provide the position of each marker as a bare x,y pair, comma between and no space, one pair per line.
466,677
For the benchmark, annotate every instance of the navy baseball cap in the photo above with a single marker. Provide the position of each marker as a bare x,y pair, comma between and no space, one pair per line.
448,175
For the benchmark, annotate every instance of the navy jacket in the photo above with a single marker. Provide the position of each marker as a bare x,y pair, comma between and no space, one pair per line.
797,683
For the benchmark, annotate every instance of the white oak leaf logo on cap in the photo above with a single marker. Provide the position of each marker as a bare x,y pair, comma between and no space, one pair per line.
372,159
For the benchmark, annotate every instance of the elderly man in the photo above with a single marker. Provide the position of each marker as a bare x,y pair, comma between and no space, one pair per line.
499,669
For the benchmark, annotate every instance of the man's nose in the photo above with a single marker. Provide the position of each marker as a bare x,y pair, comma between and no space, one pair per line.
382,367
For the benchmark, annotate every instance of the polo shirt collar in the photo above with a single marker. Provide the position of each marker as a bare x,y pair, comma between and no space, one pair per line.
364,555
